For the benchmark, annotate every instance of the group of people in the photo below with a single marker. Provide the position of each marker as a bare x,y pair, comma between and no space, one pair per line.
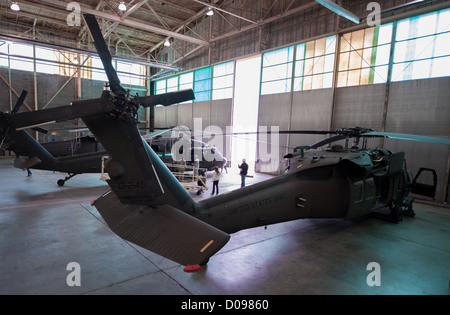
216,176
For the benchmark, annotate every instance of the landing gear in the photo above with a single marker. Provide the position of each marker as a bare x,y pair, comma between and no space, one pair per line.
396,214
61,182
403,208
396,211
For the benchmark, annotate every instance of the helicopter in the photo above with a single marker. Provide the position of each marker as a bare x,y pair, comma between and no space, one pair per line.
147,206
63,156
90,153
85,155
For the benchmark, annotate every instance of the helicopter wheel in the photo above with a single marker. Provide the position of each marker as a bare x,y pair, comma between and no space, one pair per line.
409,212
61,182
396,214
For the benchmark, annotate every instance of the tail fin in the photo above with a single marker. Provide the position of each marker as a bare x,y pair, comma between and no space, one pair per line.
138,176
147,205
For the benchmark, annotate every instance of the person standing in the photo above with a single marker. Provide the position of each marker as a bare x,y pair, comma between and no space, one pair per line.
196,166
216,176
244,169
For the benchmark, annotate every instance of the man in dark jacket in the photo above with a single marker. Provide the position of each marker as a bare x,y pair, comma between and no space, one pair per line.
244,168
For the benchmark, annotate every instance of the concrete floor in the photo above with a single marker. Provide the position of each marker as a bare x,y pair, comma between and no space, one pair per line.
44,227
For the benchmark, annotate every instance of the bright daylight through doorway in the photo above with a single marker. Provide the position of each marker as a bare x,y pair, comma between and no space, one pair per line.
245,111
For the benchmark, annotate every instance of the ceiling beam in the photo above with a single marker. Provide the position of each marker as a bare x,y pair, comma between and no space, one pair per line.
268,20
330,5
132,23
124,15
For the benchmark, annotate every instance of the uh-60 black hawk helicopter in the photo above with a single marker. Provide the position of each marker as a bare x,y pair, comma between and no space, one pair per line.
148,206
86,154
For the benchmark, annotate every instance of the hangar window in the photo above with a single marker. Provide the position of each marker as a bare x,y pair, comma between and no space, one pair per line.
130,73
69,63
276,74
180,82
202,84
223,77
20,56
422,47
314,64
3,53
186,81
364,56
160,86
172,84
97,70
46,60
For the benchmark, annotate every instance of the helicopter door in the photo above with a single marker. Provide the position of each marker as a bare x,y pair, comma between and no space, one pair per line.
362,198
424,189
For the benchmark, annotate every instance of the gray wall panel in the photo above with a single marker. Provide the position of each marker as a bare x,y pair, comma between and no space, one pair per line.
359,106
185,115
274,110
311,110
421,107
202,112
221,113
20,80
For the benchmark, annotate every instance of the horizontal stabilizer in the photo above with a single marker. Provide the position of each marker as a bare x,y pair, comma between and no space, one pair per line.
163,230
24,162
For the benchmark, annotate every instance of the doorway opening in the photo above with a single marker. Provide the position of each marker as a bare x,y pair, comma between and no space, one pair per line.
245,111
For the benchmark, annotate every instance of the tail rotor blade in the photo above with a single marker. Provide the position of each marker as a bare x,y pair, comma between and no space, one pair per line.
103,52
167,98
19,102
15,110
51,115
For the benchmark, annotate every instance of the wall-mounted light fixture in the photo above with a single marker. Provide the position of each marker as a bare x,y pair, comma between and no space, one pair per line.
15,6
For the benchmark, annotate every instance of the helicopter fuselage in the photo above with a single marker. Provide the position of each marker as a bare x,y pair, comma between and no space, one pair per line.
321,184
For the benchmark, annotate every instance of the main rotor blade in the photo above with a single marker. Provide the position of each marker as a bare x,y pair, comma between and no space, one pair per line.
167,98
327,141
281,132
404,136
103,52
19,102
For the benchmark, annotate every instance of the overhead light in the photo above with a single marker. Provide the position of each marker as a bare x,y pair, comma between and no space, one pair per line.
209,12
15,6
167,43
122,6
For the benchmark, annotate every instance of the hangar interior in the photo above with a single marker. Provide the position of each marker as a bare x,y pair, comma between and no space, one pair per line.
315,70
